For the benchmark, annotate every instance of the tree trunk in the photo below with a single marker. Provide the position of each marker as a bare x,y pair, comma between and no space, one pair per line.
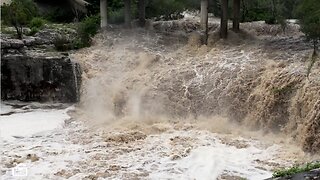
315,47
19,31
127,13
142,12
204,19
236,15
103,14
224,19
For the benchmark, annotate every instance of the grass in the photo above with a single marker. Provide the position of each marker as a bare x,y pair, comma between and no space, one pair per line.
5,30
296,169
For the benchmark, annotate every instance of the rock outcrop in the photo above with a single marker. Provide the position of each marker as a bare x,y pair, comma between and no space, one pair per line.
32,71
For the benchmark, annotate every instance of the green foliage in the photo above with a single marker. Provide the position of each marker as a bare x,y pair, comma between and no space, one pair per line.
61,15
6,30
33,31
215,8
256,10
309,17
308,13
37,22
18,13
86,30
157,8
271,11
296,169
154,8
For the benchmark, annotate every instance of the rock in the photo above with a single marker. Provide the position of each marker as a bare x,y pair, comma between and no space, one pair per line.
32,71
34,41
11,43
36,76
33,157
49,34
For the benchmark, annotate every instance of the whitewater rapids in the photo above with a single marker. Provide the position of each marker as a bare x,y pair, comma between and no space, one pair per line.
69,149
162,106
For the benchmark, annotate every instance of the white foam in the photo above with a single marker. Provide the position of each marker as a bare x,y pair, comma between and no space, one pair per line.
5,108
212,159
209,162
29,123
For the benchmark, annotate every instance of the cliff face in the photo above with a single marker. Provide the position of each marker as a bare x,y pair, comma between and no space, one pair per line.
29,78
32,71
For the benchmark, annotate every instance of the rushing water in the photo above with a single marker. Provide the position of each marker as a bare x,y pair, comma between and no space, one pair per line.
153,107
42,140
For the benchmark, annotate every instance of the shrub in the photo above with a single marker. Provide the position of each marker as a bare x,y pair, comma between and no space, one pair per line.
37,22
86,30
296,169
157,8
309,19
18,14
33,31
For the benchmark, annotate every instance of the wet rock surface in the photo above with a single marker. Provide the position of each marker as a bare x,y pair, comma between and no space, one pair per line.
31,70
39,78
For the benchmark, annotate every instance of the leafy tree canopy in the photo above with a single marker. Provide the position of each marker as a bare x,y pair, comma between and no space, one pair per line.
308,12
309,16
18,14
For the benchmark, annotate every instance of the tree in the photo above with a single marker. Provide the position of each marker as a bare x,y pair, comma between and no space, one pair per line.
309,17
216,8
308,13
18,14
204,18
103,14
224,19
236,15
127,13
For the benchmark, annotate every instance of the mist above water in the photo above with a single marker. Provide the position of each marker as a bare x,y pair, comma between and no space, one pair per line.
254,82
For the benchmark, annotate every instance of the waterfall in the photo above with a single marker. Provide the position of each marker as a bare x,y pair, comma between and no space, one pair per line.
74,72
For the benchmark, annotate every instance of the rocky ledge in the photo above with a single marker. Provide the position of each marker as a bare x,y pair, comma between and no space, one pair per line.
31,70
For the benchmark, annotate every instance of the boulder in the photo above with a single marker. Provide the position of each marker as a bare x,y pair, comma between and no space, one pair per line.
11,43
